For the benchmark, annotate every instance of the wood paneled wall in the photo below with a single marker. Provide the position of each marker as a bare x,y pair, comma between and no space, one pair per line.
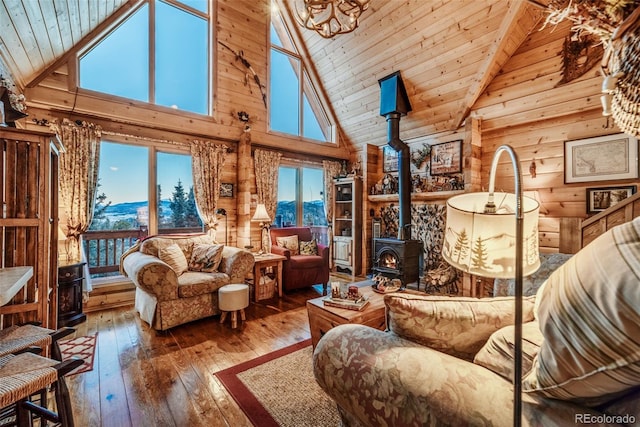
527,108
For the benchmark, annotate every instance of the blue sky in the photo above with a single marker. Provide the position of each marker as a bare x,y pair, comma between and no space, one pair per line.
124,177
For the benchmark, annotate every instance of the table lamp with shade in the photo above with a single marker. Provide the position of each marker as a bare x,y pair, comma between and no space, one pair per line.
263,218
495,235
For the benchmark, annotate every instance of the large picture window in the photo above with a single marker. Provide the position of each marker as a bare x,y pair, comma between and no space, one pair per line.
301,199
170,68
142,190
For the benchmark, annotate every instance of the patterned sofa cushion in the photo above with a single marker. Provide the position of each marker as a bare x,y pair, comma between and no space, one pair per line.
589,314
497,353
455,325
174,257
152,245
205,257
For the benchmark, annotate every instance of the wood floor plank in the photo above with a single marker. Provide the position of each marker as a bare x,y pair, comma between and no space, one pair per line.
113,397
143,377
143,409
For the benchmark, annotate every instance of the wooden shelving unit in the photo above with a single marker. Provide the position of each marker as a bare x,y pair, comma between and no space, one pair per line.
347,225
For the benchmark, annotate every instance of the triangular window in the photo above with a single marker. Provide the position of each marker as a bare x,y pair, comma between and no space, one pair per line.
294,106
178,76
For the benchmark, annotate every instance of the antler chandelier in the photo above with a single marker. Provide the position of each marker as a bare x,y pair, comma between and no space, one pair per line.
330,17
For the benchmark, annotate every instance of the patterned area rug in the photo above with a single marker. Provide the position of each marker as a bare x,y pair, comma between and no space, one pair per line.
80,347
279,389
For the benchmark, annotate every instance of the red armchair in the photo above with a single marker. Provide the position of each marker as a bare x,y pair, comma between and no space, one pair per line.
301,271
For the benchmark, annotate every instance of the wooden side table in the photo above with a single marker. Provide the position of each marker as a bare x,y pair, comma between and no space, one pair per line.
70,277
322,317
262,262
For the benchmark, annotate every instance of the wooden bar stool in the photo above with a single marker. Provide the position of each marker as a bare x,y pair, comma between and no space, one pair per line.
232,299
26,374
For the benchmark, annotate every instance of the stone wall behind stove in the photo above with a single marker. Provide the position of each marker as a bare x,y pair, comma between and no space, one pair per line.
427,224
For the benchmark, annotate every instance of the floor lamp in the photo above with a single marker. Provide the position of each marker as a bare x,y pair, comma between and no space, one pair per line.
223,212
263,218
481,232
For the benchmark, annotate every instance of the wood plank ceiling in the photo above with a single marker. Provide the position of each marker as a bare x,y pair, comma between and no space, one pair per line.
448,51
35,34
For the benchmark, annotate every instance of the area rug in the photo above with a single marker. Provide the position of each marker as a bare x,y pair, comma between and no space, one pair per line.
81,347
279,389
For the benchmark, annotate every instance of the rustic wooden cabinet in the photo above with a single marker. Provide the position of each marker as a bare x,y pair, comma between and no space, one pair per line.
29,222
347,225
70,278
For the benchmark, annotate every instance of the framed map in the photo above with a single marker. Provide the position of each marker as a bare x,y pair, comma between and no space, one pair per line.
601,159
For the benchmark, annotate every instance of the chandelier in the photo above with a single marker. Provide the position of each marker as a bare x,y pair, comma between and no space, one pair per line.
330,17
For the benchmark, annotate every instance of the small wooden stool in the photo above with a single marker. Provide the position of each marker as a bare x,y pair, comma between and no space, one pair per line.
233,298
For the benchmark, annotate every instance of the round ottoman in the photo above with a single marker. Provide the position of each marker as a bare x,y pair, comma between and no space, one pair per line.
232,299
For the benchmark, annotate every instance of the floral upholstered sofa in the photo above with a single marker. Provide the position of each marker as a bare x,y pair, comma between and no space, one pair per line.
449,360
177,277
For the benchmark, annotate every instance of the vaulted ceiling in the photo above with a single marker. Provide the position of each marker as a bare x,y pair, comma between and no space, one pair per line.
448,51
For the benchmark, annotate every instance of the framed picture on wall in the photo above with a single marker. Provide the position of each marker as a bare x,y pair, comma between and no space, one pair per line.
226,189
601,159
446,158
389,159
599,199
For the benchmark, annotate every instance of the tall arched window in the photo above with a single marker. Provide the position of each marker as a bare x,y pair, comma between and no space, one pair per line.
294,107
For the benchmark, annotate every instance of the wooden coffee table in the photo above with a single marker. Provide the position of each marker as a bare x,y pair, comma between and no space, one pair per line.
322,318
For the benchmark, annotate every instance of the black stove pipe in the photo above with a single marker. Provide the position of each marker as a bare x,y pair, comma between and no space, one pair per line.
404,175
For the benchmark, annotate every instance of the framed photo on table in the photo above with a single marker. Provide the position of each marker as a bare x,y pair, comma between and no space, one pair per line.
599,199
446,158
603,158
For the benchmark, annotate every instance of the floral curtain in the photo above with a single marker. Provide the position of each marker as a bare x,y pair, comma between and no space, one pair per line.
331,170
266,164
207,160
78,179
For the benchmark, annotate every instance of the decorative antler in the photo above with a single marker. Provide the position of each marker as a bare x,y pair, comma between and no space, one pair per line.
240,57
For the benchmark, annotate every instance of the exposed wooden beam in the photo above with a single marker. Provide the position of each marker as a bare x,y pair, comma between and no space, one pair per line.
520,20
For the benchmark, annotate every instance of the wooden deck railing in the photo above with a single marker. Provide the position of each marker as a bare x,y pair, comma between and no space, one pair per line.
104,248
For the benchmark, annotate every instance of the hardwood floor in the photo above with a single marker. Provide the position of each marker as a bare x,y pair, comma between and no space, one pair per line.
146,378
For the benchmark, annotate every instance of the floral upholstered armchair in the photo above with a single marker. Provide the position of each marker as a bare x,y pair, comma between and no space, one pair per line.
177,277
449,360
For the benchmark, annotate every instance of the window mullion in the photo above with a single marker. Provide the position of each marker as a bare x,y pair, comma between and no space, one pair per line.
299,196
152,51
300,99
153,191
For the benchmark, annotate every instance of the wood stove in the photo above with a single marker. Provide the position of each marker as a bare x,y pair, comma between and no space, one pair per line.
398,259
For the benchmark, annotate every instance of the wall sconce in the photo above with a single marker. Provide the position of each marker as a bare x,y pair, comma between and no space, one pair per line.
223,212
263,218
